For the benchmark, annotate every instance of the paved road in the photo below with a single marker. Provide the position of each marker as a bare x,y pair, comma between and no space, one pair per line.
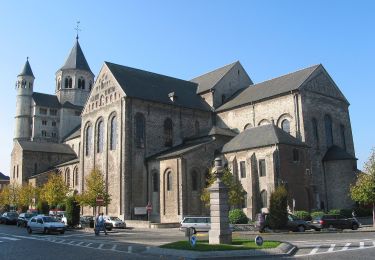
15,243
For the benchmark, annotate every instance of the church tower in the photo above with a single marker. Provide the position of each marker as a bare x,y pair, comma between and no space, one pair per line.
24,87
75,78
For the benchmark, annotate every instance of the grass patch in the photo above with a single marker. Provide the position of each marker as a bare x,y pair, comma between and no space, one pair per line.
237,244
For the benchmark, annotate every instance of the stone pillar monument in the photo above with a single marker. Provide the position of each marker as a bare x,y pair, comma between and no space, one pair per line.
220,232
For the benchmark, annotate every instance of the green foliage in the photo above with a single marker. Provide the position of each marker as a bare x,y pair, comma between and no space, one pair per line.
27,194
10,195
236,192
72,211
237,216
278,216
334,211
316,214
363,191
95,187
42,207
303,215
55,191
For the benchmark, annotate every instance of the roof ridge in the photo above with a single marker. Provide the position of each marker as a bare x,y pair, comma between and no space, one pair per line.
222,67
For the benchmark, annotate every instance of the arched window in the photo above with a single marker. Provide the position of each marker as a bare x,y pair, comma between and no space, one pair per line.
113,138
247,126
88,140
155,182
100,137
285,125
328,128
169,180
83,84
35,168
66,85
67,177
70,82
140,130
194,180
168,132
264,122
342,132
75,176
315,130
79,83
59,84
263,198
295,155
244,201
196,128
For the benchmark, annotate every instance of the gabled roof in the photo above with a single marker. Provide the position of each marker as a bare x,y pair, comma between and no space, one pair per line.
260,136
76,59
209,80
269,88
67,104
46,100
46,147
3,177
76,132
215,130
181,149
70,162
26,71
335,153
155,87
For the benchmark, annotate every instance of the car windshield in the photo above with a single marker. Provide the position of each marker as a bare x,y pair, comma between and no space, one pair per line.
29,215
114,218
49,219
12,214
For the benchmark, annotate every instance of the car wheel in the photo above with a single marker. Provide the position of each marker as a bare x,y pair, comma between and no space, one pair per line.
330,227
301,228
354,227
29,230
62,232
317,229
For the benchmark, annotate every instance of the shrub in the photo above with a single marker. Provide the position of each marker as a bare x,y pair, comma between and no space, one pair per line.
346,212
316,214
72,211
363,212
334,212
237,216
278,217
303,215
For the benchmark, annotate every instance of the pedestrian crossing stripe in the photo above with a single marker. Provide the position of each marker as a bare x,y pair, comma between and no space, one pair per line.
317,250
10,238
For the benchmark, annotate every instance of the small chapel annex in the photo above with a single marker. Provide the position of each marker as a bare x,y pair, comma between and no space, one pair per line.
154,137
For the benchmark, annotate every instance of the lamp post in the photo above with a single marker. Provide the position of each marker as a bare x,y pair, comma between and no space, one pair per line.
220,232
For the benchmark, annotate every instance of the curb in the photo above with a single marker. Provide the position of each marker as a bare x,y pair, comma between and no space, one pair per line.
284,249
310,232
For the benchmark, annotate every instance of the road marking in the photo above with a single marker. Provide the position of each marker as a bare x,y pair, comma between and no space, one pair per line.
361,244
9,238
331,248
130,249
89,244
100,246
114,247
314,250
71,242
373,242
80,243
346,247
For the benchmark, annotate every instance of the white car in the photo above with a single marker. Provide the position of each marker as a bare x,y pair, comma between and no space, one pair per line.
115,221
45,224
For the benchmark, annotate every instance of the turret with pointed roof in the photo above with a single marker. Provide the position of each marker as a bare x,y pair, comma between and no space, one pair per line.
75,78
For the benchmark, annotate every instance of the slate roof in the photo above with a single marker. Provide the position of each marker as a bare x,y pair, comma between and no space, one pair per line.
209,80
181,149
76,132
46,100
67,104
26,71
269,88
335,153
221,131
76,59
155,87
260,136
3,177
46,147
74,161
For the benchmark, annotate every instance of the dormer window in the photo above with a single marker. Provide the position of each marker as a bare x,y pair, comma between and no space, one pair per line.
172,96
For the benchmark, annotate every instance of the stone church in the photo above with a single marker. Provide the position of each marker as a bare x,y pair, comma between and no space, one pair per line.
154,137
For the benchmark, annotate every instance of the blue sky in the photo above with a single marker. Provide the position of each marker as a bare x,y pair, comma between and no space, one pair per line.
188,38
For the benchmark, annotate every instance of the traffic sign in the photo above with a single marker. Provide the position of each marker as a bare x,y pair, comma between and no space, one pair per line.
193,241
99,201
259,240
149,207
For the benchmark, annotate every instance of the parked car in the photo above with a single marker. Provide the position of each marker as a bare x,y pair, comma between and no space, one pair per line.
334,221
294,223
9,218
23,218
115,221
90,220
45,224
196,224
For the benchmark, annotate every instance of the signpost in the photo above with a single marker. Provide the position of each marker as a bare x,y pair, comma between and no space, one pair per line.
259,240
149,209
99,201
193,241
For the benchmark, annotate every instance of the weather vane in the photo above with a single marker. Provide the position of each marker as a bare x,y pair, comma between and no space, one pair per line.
77,29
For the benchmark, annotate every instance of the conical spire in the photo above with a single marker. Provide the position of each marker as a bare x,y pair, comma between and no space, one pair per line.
76,59
27,69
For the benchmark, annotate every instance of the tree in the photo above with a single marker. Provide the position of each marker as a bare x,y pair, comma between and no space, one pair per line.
278,216
363,191
55,191
72,211
95,187
27,195
10,195
236,192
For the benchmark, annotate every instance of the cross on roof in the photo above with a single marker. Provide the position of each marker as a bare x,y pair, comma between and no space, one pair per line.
77,29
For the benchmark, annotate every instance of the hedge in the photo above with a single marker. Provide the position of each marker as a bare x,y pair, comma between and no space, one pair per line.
237,216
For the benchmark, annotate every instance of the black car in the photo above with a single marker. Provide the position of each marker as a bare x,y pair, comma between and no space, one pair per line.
294,224
9,218
23,218
334,221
